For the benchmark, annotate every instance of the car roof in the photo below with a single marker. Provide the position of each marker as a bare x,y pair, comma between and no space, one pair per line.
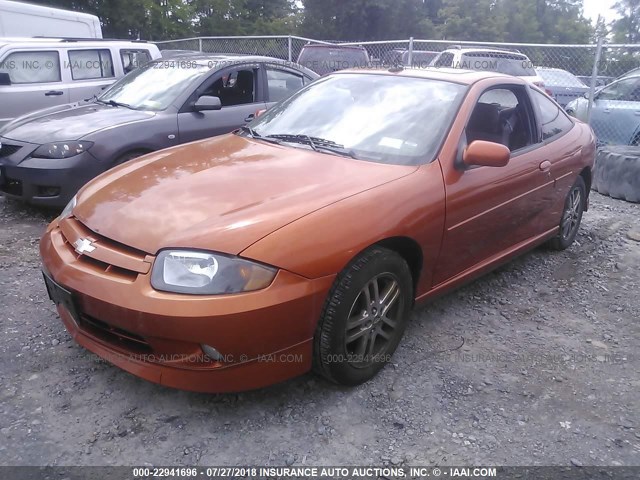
455,75
66,41
229,59
339,47
483,50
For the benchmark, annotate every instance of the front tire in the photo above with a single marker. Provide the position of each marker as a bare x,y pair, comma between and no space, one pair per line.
574,206
364,317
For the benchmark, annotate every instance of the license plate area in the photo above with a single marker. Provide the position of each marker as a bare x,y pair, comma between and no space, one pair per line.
61,296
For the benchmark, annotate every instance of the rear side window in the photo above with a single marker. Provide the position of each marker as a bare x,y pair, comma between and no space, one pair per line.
282,84
90,64
32,67
554,120
132,59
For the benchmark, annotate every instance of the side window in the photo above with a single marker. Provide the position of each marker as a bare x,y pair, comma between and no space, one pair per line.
444,60
282,84
554,120
32,67
624,90
501,116
90,64
132,59
234,87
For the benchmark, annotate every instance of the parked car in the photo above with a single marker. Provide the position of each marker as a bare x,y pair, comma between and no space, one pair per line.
509,62
615,113
601,80
305,238
48,155
38,73
324,59
631,73
563,86
400,56
27,20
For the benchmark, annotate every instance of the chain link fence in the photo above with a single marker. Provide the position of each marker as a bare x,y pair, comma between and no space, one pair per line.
598,83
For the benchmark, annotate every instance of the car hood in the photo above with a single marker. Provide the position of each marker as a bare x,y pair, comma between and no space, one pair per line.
69,122
221,194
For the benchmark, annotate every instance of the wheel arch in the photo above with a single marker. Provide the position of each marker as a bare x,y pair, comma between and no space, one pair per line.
410,251
587,176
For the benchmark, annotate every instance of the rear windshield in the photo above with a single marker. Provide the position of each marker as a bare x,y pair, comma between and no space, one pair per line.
507,63
560,78
324,60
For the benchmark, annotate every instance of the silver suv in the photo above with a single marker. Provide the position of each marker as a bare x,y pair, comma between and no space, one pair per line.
37,73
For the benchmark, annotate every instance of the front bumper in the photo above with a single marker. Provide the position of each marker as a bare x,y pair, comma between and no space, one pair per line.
46,182
264,337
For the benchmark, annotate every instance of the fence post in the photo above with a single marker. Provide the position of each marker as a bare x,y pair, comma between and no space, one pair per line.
410,59
200,44
290,48
594,76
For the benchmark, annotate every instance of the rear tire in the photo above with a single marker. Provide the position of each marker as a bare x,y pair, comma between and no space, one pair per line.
364,317
574,206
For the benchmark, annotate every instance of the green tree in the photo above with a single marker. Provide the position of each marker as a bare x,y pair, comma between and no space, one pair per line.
627,28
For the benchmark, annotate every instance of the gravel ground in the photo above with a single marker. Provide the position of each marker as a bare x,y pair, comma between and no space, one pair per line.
535,364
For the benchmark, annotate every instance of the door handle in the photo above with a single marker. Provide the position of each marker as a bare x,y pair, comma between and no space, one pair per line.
250,118
606,110
54,93
545,166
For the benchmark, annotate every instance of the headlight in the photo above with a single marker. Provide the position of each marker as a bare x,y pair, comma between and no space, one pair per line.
69,208
61,149
205,273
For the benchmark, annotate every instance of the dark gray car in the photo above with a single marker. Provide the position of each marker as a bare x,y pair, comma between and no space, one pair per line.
46,156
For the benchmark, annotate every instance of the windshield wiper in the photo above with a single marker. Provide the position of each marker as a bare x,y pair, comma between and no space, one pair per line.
113,103
253,134
317,144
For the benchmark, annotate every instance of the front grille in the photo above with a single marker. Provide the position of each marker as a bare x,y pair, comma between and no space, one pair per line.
7,150
115,336
108,257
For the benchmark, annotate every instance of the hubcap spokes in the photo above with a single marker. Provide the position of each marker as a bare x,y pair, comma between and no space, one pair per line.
373,318
571,216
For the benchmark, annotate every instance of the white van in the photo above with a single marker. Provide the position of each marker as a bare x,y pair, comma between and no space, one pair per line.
38,73
19,19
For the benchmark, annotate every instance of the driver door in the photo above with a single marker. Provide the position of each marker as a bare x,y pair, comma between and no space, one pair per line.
492,209
241,94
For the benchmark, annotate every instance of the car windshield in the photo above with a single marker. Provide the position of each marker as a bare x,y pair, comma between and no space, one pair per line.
323,60
507,63
559,78
380,118
154,86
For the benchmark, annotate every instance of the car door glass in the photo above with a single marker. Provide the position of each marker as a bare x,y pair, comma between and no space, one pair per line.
445,60
32,67
132,59
499,117
282,84
236,87
619,91
554,120
90,64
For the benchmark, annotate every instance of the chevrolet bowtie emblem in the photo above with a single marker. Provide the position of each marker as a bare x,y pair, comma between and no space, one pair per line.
84,245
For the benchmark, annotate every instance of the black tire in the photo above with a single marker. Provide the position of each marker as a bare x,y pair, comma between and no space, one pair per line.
347,311
617,173
574,206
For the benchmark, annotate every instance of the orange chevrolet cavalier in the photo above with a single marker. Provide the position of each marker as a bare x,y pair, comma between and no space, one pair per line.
303,240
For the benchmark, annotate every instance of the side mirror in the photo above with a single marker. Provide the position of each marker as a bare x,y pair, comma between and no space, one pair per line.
207,102
5,79
486,154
